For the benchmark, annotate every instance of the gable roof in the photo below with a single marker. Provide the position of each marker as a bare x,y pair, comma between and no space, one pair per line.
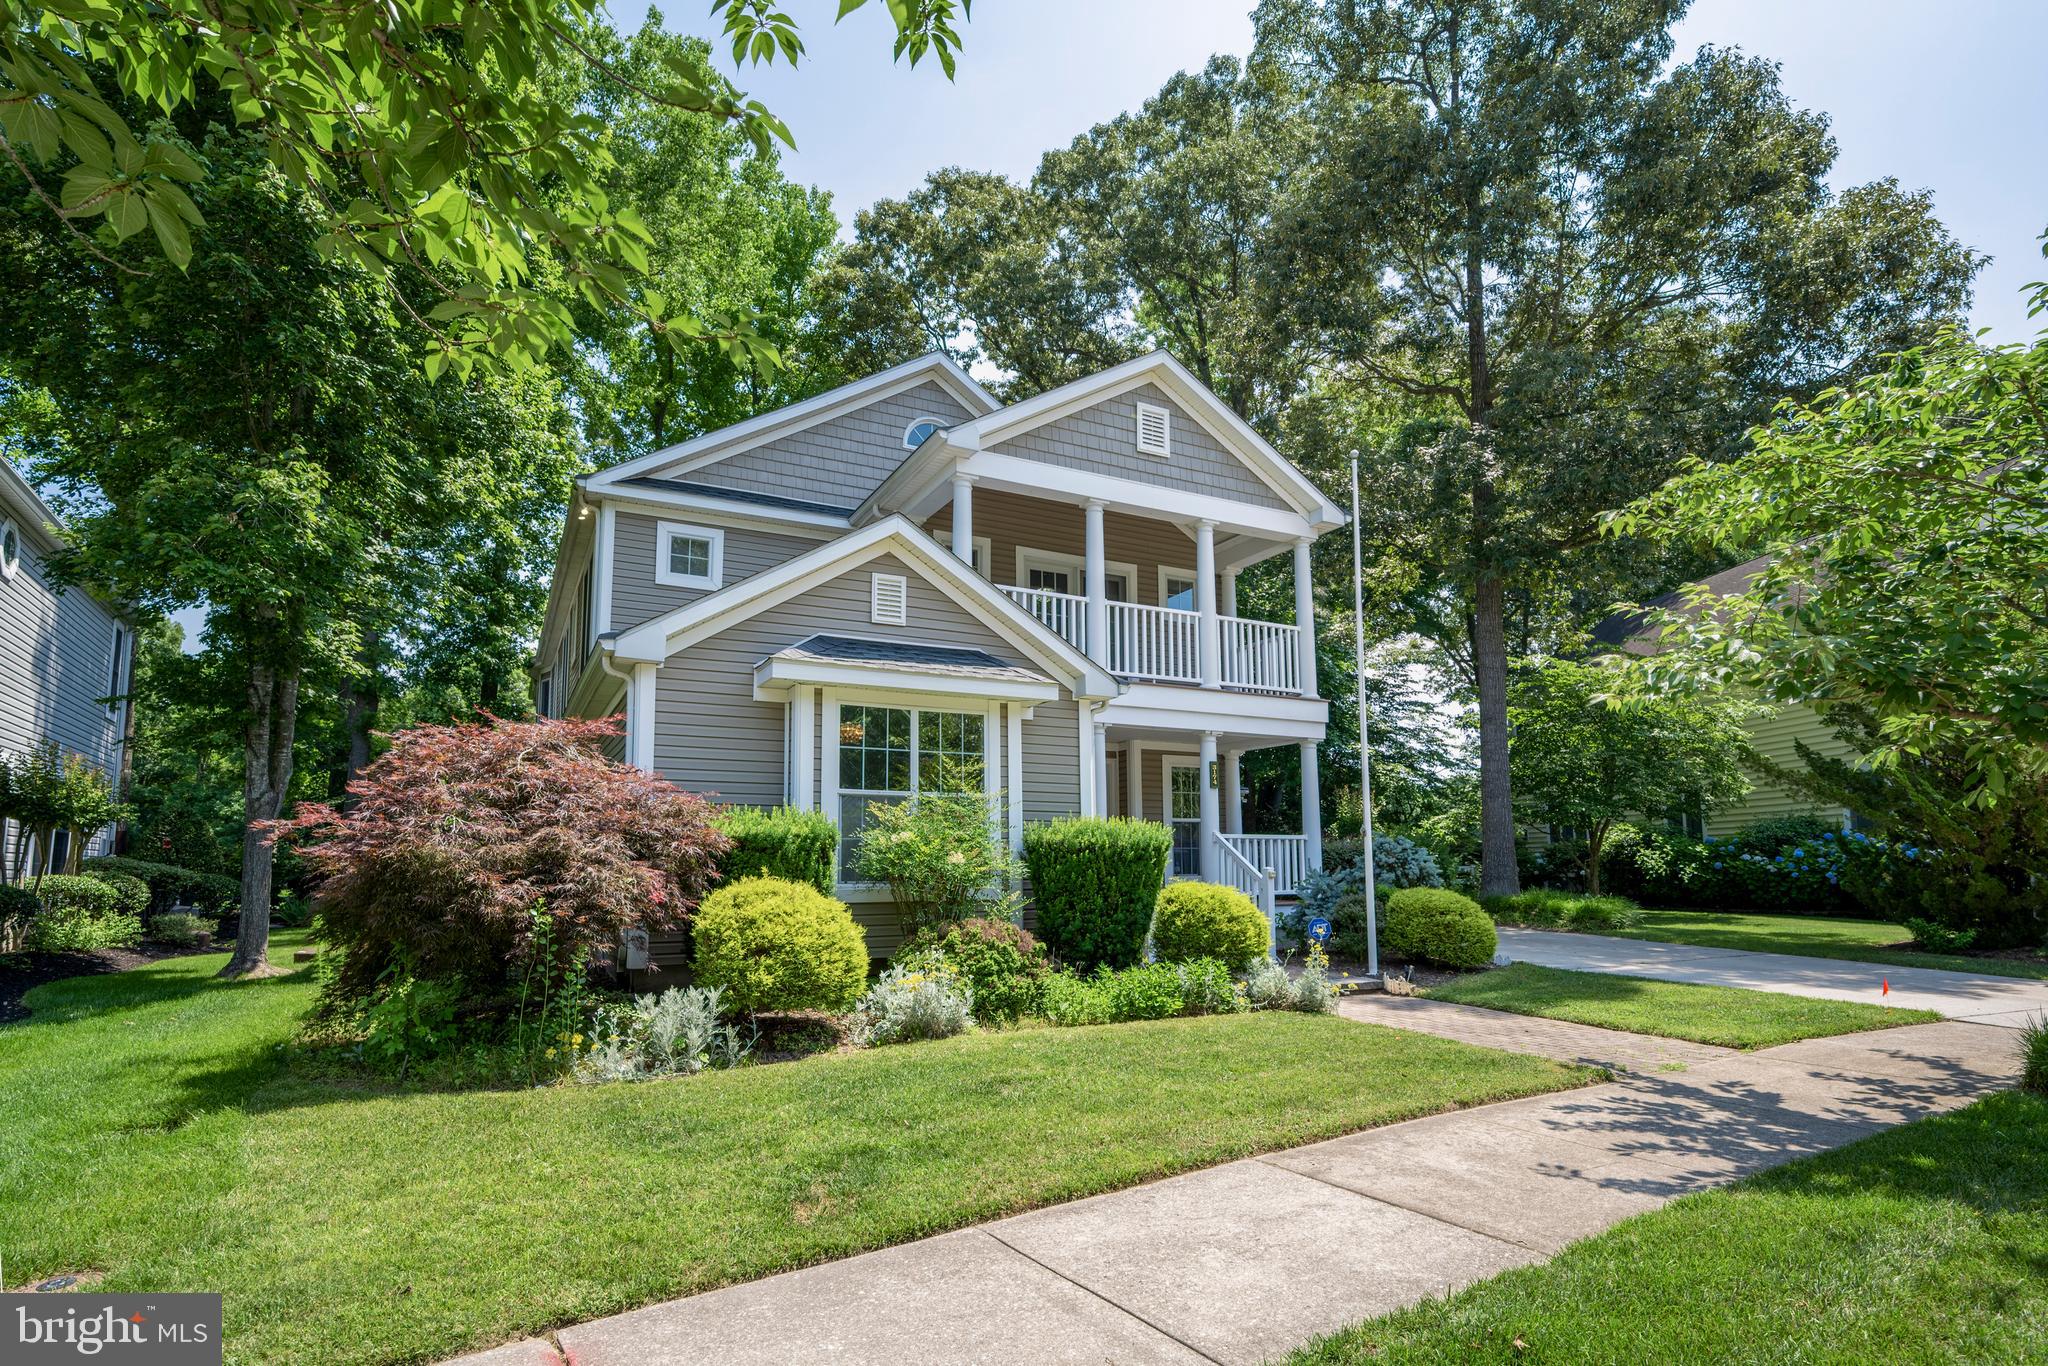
1159,367
654,641
743,436
1631,632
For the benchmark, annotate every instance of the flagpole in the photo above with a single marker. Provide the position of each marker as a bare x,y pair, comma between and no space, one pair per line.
1372,910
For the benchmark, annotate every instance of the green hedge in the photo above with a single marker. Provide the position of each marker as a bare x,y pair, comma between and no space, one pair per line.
774,945
1445,928
1095,883
785,842
1544,909
131,893
1204,920
60,892
172,886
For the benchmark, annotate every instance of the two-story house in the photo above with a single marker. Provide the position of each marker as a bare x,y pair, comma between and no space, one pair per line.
65,661
822,605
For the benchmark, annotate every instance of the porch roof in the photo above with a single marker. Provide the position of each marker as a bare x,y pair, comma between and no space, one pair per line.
901,665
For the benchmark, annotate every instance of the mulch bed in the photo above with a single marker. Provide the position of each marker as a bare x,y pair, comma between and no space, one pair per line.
22,972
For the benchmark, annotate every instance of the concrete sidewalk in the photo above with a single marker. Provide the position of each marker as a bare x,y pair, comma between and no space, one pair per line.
1243,1262
2004,1001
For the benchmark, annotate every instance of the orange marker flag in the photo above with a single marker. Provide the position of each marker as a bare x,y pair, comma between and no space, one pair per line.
1887,987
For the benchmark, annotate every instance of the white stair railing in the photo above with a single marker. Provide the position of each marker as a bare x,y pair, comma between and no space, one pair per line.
1286,855
1065,613
1256,883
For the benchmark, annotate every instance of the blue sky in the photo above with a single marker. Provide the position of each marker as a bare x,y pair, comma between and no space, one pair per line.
1944,96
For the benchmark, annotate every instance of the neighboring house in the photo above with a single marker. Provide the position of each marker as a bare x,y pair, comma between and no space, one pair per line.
65,659
1776,735
819,604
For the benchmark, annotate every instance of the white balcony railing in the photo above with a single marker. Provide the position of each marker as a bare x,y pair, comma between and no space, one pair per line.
1286,855
1260,656
1065,613
1164,644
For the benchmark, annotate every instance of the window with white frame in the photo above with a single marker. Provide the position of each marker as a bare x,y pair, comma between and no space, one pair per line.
689,556
919,431
10,549
891,754
1177,589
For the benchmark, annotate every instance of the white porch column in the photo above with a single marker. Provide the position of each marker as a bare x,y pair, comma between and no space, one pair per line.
803,712
963,519
1227,600
1085,758
1101,768
1305,616
1096,587
640,718
1134,780
1210,864
1312,803
1013,751
1208,644
1233,793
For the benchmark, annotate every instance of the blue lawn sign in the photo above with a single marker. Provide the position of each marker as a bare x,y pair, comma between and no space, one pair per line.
1319,930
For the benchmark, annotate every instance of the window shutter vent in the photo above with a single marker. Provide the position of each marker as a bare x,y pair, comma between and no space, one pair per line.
1154,430
890,600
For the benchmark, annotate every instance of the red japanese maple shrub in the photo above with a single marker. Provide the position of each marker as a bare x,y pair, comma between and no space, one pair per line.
457,835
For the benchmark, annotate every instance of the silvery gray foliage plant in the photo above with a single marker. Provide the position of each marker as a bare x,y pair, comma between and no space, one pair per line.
677,1033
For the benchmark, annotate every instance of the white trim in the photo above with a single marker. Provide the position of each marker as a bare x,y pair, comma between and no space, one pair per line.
665,532
1152,415
1085,729
992,767
1134,778
828,771
601,566
1169,707
1030,557
677,630
782,521
1167,571
985,551
1035,478
1230,430
772,676
640,712
741,436
803,705
1013,748
939,424
10,567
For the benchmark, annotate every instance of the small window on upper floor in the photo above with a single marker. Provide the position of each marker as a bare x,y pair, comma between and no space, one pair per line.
920,431
1155,430
689,556
10,549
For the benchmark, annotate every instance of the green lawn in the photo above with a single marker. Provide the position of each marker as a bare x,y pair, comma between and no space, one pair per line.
157,1118
1926,1243
1729,1016
1816,936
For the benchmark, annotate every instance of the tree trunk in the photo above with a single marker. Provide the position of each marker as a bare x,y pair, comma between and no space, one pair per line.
266,776
359,704
1594,839
1497,872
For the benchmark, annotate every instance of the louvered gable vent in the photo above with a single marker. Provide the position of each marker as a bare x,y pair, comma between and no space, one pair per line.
1155,430
889,600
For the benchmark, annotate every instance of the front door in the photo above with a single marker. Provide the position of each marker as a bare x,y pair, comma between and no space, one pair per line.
1184,814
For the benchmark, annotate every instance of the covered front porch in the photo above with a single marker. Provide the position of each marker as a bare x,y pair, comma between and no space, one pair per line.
1191,782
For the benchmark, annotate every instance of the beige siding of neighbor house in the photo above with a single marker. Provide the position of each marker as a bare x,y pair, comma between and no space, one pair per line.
638,598
835,463
1776,737
711,736
1103,438
1012,520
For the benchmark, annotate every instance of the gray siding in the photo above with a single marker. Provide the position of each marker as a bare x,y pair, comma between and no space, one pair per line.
56,663
1011,520
637,598
836,463
1052,761
1103,439
712,736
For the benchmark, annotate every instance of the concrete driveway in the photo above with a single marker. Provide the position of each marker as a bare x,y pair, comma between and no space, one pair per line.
2004,1001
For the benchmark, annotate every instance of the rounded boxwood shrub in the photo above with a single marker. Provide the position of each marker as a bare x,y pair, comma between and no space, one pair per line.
64,892
770,944
1094,883
1439,927
131,894
1204,920
785,841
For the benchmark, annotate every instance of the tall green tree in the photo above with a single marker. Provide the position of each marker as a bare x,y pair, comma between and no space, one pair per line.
1585,262
434,153
1582,762
1905,521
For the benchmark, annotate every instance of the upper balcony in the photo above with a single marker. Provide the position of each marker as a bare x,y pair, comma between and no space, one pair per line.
1164,644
